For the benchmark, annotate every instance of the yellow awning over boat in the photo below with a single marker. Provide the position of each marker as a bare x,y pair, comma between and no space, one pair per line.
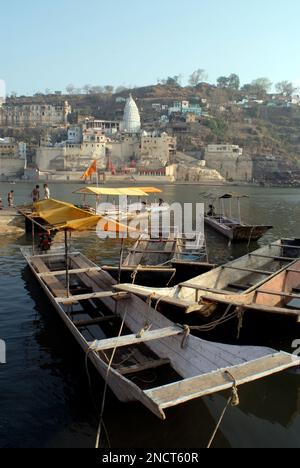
117,192
60,215
150,189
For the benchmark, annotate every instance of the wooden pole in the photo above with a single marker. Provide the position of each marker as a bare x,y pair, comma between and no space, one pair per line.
67,263
33,236
121,260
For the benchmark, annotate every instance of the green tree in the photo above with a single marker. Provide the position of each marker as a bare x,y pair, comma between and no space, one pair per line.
222,82
234,82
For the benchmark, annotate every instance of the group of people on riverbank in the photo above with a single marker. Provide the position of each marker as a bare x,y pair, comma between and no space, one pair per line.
35,196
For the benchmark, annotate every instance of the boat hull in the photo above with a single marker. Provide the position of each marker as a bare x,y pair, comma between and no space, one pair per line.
236,232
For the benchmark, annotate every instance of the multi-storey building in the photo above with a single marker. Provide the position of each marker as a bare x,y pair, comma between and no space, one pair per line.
34,115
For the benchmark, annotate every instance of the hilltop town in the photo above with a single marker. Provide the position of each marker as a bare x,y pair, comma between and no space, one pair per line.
199,133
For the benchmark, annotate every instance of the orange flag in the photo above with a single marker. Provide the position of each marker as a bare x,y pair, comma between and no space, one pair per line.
91,170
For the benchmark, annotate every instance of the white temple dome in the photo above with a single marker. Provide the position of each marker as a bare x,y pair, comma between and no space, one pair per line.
132,119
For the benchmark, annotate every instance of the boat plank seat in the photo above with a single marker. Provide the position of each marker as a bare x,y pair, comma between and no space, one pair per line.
254,307
129,340
207,384
91,296
91,278
151,364
57,288
71,272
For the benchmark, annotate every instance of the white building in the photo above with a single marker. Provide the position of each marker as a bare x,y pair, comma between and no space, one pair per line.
132,120
75,134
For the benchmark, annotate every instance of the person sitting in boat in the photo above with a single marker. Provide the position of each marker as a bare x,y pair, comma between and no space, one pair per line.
212,211
45,242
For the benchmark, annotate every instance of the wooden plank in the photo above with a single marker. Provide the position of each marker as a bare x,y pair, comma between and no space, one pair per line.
281,246
252,306
249,270
57,288
202,288
129,340
96,321
143,367
275,258
203,385
280,294
71,272
91,296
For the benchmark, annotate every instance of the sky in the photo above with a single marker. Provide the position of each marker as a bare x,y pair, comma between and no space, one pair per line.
48,44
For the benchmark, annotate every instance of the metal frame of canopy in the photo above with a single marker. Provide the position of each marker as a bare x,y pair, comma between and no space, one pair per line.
69,219
228,196
97,192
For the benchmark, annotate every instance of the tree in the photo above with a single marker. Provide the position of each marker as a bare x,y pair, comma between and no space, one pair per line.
109,89
70,89
222,82
197,77
231,82
96,90
286,88
234,82
173,81
121,89
263,85
87,88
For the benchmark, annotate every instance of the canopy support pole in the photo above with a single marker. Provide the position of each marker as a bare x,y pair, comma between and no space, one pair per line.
33,236
121,260
67,264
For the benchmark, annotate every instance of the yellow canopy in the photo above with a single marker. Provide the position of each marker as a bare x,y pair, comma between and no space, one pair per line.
128,192
150,189
63,216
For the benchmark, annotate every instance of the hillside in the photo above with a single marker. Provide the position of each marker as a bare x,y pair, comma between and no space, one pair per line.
260,129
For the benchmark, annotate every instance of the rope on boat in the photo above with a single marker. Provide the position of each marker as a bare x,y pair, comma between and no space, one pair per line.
91,390
233,401
98,438
249,242
172,277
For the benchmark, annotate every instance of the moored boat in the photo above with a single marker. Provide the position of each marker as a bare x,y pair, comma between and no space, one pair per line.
239,276
188,367
234,229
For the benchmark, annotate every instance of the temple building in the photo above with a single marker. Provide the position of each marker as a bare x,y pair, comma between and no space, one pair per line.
132,120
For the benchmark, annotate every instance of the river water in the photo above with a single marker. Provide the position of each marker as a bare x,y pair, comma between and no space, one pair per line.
45,400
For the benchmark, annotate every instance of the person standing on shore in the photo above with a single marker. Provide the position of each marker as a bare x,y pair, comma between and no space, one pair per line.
36,194
47,192
10,199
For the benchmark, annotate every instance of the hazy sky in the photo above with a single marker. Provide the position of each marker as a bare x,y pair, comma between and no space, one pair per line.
51,43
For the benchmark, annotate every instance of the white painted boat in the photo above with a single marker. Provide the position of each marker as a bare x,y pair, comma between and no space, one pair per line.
148,341
234,229
240,276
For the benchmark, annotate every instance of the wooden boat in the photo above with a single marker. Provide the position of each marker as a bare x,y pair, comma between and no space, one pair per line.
280,295
234,229
159,261
148,341
240,276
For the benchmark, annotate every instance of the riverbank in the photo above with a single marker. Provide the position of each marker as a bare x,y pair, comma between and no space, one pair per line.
11,222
